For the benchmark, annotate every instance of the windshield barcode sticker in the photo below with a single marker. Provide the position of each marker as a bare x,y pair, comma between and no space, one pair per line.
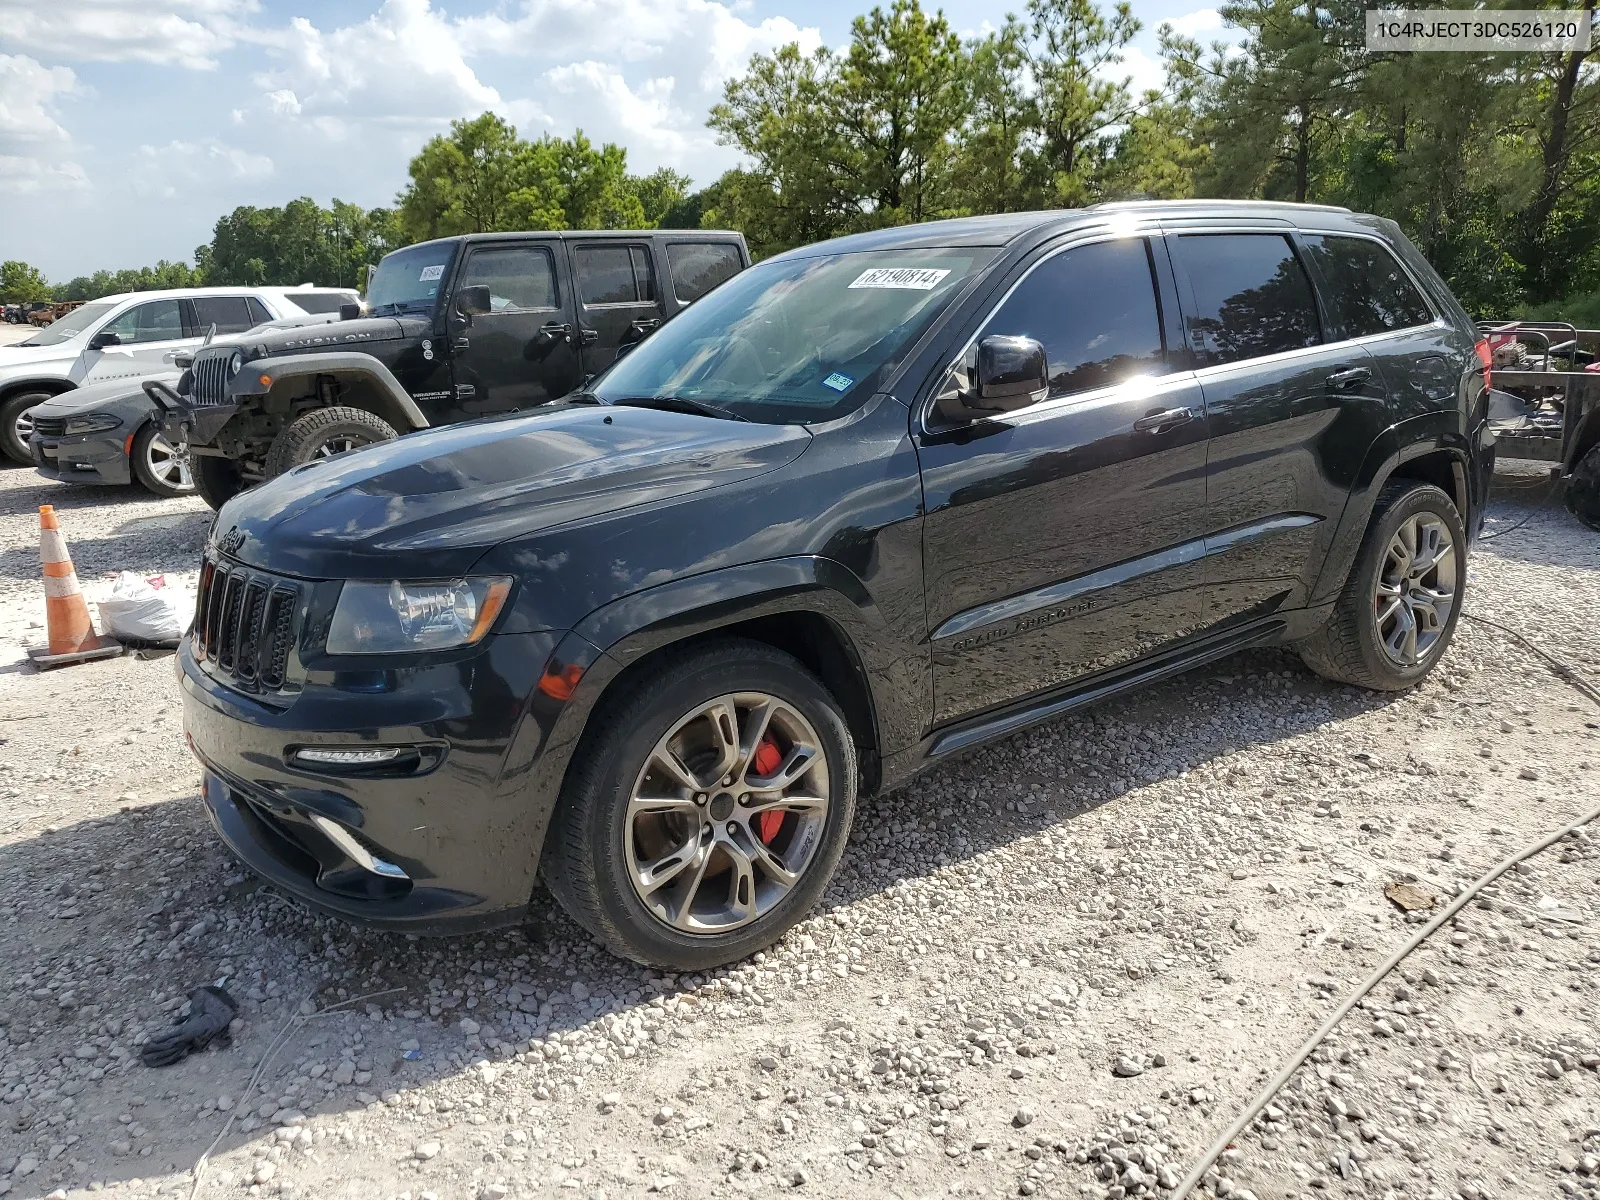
916,279
432,272
838,381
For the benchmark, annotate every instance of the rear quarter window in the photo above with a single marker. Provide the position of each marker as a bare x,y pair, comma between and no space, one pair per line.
697,267
320,302
1367,290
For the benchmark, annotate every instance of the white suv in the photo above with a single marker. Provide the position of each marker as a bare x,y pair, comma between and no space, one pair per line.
131,337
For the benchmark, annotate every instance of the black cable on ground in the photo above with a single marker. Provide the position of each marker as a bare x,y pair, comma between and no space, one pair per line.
1296,1060
1549,493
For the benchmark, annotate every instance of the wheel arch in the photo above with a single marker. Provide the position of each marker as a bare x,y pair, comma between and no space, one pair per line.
1442,460
49,386
368,384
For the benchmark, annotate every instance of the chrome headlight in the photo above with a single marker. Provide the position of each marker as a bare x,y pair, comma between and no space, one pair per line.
91,423
235,363
392,618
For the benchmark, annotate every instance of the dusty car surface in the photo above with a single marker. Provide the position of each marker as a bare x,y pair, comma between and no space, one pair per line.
866,505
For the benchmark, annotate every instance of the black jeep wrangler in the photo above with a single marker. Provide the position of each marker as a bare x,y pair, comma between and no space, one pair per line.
452,329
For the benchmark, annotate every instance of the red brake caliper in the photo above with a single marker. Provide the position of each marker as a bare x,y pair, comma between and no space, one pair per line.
768,758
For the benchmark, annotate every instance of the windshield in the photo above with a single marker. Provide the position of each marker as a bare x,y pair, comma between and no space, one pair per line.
74,322
797,341
409,280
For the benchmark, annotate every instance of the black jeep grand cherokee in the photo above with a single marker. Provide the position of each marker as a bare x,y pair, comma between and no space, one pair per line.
866,505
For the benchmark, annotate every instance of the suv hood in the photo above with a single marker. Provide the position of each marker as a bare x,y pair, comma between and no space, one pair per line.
335,335
17,357
430,504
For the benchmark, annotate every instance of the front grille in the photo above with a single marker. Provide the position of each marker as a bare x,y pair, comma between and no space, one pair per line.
50,426
244,624
210,373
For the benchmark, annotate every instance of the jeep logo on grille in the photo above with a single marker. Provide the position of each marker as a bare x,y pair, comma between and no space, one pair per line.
230,542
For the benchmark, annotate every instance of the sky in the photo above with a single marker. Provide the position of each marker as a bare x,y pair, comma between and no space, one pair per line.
127,127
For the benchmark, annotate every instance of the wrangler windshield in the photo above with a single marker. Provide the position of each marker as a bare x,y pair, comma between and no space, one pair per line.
796,341
408,281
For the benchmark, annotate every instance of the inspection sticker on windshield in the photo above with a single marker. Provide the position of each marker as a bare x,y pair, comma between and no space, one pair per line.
432,272
916,279
838,382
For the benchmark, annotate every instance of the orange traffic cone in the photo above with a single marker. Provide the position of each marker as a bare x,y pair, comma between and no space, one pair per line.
66,615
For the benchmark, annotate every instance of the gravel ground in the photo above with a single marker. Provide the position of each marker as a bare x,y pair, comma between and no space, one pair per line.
1058,967
11,334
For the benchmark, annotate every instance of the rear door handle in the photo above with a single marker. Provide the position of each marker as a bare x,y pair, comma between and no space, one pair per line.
1349,377
1167,418
460,344
588,336
640,328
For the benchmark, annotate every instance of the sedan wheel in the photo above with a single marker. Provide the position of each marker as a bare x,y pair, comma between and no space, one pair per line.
727,813
160,466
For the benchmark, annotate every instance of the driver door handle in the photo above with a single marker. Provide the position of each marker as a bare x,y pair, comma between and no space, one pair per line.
1349,377
556,329
1167,418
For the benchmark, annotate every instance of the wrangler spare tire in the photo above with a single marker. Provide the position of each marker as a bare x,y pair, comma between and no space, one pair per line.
322,433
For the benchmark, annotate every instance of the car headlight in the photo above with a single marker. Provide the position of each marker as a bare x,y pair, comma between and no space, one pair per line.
91,423
392,618
235,363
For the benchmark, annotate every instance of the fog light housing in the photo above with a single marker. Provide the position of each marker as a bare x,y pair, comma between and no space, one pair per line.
334,756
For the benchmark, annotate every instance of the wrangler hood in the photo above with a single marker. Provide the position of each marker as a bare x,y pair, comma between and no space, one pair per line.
429,505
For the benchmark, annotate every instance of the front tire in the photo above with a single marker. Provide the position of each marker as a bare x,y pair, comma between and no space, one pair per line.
1583,489
706,810
15,426
1400,605
159,466
322,433
217,480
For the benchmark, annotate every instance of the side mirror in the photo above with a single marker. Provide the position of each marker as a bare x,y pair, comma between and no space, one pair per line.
103,339
349,312
1011,373
472,300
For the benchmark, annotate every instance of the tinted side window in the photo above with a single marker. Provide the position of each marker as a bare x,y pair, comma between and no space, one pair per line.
1095,311
157,321
320,302
614,275
1368,292
1251,294
258,311
699,266
230,314
518,277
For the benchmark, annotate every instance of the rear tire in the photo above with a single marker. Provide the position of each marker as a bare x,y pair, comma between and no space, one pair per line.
1583,489
1387,630
215,479
679,878
322,433
159,466
15,428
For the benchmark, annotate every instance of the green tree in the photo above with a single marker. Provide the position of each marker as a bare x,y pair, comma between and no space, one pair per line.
1074,44
300,242
993,164
20,283
899,94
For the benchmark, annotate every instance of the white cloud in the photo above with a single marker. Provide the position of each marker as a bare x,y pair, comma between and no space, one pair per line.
35,149
1198,23
1144,72
182,166
187,33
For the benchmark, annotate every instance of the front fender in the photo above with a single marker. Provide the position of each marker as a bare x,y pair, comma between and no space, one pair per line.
286,376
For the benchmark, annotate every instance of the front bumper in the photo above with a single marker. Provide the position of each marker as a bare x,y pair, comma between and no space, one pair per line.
91,458
451,845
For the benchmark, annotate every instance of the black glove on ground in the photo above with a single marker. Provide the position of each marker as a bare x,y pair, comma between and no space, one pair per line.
210,1011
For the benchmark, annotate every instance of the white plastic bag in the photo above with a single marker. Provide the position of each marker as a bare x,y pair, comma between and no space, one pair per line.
135,611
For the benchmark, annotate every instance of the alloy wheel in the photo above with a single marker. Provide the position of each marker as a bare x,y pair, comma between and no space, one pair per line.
339,445
24,426
1415,592
168,463
727,813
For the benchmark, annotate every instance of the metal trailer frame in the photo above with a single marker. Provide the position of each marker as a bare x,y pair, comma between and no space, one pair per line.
1578,391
